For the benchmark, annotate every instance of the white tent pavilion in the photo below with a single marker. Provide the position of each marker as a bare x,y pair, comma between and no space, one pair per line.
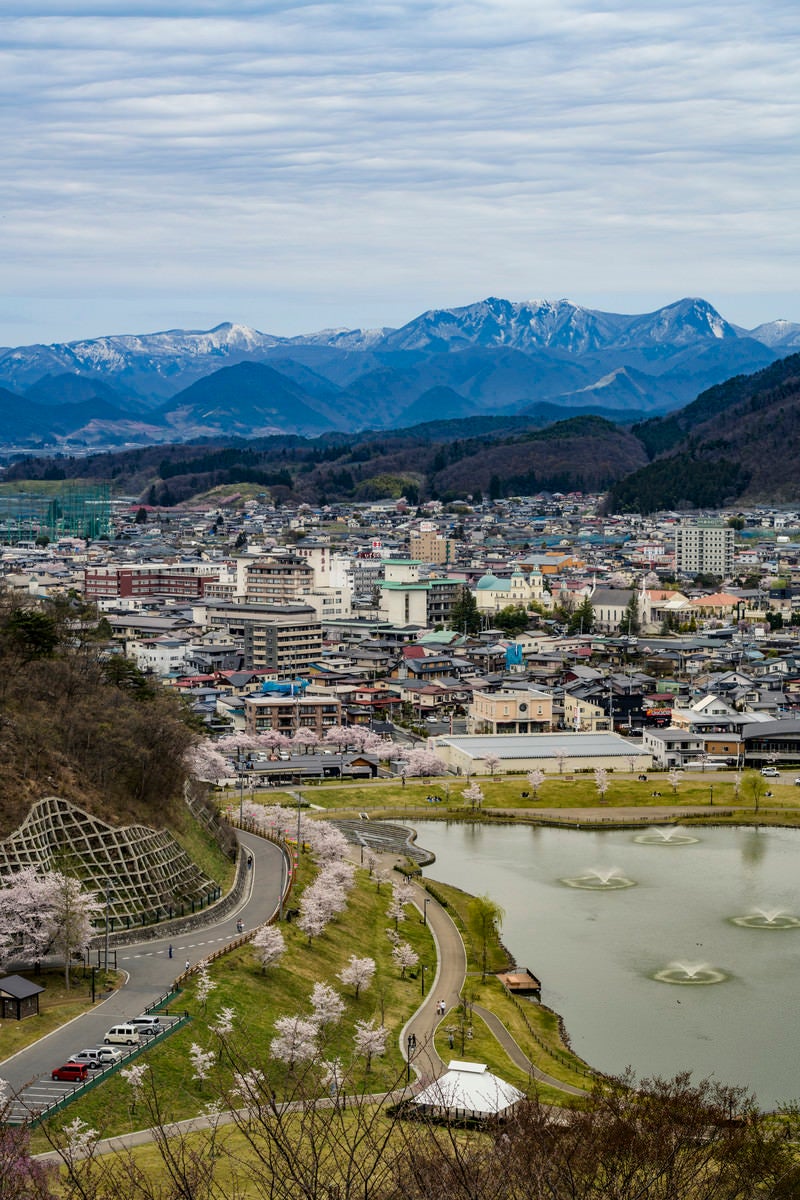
468,1089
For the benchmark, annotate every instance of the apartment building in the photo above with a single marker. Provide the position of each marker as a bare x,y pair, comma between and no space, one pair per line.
704,546
287,714
280,638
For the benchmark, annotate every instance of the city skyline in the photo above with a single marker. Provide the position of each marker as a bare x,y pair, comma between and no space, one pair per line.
293,167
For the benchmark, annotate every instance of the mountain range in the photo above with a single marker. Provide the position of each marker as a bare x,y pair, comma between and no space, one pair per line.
494,357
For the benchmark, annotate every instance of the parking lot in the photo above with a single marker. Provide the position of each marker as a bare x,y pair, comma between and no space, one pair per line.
44,1092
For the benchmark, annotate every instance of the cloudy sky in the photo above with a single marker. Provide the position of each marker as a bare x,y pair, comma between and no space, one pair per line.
168,163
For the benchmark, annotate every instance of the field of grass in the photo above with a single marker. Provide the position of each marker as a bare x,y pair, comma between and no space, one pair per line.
258,998
503,795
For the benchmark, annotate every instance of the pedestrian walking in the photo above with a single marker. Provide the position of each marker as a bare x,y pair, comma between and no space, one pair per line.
188,964
169,952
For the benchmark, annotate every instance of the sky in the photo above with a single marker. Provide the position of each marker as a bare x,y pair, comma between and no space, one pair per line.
172,164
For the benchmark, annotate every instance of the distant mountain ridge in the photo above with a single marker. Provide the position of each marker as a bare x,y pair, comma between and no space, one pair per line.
493,357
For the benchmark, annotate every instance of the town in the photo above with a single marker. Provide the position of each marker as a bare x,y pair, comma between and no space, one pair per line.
443,625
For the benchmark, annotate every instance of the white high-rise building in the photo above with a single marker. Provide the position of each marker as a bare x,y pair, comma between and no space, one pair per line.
704,546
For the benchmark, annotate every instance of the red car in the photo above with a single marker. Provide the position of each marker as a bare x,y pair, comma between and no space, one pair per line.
71,1072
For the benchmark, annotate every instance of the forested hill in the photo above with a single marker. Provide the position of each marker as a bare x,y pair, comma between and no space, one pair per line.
740,439
584,452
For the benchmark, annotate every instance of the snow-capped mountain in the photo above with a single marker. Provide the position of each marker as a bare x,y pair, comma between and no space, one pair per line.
497,355
780,335
170,355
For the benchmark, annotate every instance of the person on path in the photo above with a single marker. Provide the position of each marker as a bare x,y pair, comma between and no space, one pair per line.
188,964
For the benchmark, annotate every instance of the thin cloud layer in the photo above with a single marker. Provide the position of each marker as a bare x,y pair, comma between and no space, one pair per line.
300,165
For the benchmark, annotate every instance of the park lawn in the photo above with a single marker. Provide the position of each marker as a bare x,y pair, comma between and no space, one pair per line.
390,799
57,1006
258,998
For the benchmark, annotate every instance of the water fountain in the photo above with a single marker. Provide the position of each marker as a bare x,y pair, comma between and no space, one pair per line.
767,918
688,974
673,835
600,879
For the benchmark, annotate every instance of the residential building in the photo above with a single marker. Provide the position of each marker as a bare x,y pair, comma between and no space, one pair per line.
287,714
510,711
704,547
283,638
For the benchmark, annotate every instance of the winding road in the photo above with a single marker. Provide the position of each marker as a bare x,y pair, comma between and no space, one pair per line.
150,972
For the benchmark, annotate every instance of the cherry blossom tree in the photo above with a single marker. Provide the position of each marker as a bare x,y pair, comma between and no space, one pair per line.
269,944
248,1084
674,778
492,763
424,762
601,782
473,794
223,1026
381,875
202,1062
272,740
369,1040
305,739
43,914
396,911
371,861
405,956
358,973
80,1142
205,985
295,1040
23,1177
340,736
327,1004
314,916
560,755
536,778
134,1076
204,761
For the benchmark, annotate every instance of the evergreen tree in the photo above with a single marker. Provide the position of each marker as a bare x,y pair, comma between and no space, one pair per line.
464,615
582,620
630,623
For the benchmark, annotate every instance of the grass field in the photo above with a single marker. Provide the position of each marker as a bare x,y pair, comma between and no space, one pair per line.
504,794
258,998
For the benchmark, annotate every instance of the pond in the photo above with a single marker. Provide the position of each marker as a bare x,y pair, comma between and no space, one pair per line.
661,952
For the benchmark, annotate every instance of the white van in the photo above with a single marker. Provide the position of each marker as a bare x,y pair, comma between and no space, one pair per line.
127,1035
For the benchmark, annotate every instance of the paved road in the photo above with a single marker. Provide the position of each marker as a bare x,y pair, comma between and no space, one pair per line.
151,972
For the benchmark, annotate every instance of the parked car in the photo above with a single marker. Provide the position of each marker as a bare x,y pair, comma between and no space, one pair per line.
90,1059
770,772
126,1034
147,1026
109,1055
797,781
71,1072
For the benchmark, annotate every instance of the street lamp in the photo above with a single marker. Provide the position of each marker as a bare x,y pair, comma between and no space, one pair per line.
711,793
411,1045
425,904
422,979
